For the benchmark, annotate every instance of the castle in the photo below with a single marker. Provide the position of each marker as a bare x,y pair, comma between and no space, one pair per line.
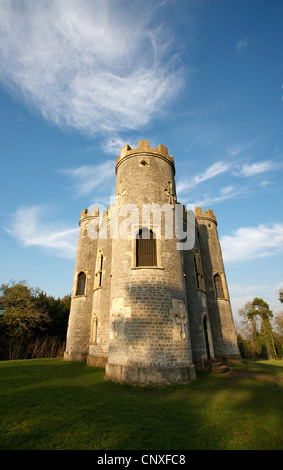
150,301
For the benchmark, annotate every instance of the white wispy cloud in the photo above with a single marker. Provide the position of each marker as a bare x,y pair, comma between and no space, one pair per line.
93,65
234,165
236,149
231,164
226,192
252,242
113,144
214,170
29,229
240,294
256,168
241,44
88,178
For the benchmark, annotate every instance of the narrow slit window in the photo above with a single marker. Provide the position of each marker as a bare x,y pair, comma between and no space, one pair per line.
200,284
93,330
99,268
81,284
196,273
100,271
146,254
205,328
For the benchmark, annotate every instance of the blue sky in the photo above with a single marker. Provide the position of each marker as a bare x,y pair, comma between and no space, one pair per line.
79,79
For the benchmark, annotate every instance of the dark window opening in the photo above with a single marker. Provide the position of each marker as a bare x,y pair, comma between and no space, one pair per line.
206,338
81,284
146,254
218,286
196,273
200,284
98,273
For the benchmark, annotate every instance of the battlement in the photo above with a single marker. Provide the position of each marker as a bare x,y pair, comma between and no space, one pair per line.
128,288
208,214
161,152
94,212
104,216
85,214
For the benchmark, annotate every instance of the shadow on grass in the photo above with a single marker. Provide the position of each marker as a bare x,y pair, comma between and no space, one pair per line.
52,404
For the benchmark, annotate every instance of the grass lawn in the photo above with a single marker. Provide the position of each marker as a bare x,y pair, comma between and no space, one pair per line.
50,404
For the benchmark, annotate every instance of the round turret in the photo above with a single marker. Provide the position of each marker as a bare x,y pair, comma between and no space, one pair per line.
220,313
149,337
77,342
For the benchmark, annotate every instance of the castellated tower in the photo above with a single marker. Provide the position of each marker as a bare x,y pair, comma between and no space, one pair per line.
150,301
218,301
82,292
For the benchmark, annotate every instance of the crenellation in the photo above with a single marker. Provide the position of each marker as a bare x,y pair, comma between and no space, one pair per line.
208,215
143,149
83,214
153,321
86,216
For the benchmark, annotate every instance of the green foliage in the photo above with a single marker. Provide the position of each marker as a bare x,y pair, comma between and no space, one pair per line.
22,312
261,308
244,347
30,319
261,341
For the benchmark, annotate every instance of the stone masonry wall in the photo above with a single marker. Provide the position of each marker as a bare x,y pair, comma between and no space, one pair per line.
146,324
147,303
77,343
220,313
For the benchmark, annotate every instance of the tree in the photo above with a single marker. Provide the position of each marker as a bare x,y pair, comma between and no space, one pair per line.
278,332
279,322
22,314
32,324
257,316
58,311
245,347
261,309
281,295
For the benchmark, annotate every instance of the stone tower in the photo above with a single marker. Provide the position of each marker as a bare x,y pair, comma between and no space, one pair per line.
144,306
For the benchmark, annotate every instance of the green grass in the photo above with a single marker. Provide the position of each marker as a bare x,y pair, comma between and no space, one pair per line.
51,404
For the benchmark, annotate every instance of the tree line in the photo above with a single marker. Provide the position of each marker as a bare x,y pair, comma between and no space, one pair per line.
260,335
32,323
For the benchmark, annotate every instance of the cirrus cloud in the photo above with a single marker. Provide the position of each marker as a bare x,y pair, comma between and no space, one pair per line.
95,66
30,230
91,177
256,168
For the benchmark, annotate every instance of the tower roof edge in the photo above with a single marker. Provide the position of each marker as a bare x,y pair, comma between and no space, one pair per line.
143,148
208,214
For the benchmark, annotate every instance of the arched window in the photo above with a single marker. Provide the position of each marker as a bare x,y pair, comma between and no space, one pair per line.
146,248
98,271
81,284
218,286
